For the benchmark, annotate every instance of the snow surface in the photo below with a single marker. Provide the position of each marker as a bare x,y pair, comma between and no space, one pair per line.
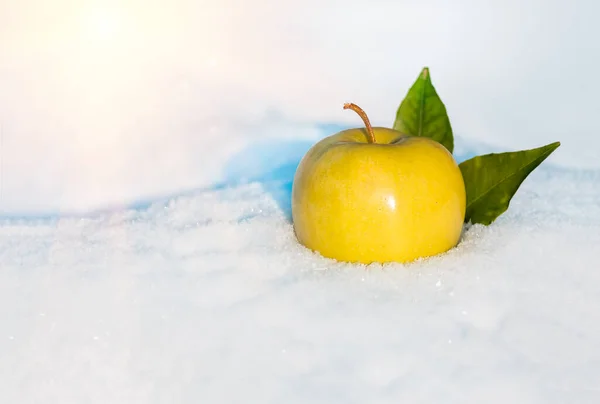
208,297
146,248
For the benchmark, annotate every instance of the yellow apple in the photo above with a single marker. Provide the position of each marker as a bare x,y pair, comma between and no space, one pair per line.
377,195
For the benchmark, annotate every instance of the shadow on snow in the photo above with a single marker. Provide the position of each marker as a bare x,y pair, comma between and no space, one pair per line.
271,163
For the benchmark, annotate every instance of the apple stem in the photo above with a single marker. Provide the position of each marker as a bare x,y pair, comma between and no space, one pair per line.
364,117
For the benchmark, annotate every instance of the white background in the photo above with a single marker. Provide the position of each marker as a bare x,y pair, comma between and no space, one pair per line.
109,101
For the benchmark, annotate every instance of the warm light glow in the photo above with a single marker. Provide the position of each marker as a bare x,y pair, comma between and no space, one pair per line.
102,24
213,62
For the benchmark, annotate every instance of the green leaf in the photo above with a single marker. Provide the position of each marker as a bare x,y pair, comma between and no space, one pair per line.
422,113
492,180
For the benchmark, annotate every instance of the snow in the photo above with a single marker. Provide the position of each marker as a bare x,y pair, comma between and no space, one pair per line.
146,249
208,297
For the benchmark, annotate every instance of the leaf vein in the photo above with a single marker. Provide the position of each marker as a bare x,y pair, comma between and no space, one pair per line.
542,157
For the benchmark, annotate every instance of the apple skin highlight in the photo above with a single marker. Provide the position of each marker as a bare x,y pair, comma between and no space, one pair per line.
397,199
